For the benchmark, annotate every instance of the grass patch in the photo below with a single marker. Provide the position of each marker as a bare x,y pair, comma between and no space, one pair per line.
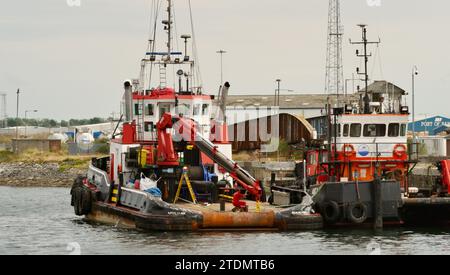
64,161
6,138
74,163
6,156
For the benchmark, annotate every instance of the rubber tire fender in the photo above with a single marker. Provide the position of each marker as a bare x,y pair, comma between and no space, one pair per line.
86,201
351,215
77,201
333,216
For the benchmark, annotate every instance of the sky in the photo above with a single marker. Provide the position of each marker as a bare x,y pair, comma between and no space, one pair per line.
70,61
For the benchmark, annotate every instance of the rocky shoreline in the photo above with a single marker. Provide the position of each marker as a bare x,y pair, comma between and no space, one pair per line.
22,174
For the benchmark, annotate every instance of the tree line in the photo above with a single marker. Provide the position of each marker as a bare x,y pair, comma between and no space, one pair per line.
52,123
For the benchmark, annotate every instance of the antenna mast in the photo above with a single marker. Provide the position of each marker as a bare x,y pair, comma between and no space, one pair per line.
169,30
366,56
334,68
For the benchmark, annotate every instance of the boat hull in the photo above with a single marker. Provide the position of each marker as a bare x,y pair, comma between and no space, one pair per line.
124,217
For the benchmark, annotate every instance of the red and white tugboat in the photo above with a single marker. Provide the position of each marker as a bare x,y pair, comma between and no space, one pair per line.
171,167
360,174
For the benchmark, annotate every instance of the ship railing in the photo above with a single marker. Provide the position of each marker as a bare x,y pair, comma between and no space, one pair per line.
379,150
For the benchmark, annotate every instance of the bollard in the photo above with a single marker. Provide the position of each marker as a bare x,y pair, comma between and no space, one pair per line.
273,178
222,205
377,203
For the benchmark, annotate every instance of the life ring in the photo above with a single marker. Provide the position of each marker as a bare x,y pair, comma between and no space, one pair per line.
349,150
357,212
400,150
330,211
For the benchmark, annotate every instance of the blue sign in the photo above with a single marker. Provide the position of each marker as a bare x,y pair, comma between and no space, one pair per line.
430,125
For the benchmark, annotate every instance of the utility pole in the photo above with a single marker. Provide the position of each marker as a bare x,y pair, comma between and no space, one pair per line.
334,68
3,112
17,115
221,52
277,93
415,72
366,56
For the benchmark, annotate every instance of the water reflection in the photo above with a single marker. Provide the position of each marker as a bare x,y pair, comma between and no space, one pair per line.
41,221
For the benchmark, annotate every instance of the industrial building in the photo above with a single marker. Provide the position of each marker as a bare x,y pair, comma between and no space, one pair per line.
305,105
432,126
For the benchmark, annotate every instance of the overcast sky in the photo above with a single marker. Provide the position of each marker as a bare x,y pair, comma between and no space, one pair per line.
70,62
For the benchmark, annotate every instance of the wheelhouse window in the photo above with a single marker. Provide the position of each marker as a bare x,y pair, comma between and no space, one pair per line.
403,130
375,130
346,130
196,109
355,130
336,130
148,126
164,108
205,109
137,109
184,109
150,110
394,130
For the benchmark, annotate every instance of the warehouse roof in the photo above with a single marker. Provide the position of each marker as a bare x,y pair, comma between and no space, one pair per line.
383,87
294,101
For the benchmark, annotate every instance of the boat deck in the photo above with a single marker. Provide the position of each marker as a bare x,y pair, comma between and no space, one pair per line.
215,207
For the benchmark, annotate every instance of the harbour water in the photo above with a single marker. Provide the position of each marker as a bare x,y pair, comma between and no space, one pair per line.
41,221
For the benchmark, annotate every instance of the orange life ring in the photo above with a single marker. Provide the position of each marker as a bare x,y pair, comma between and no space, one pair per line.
400,150
348,150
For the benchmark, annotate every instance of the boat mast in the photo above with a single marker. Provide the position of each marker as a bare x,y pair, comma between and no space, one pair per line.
365,55
169,30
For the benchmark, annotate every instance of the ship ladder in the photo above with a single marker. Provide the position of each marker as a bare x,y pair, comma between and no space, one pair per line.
162,76
140,121
185,178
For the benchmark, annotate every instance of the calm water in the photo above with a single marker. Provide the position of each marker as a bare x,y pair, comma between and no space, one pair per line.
41,221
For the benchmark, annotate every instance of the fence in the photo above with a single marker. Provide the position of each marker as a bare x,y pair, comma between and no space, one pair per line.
86,149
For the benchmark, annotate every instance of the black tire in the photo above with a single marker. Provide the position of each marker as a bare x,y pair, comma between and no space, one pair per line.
78,203
81,198
87,201
304,222
331,212
77,183
357,213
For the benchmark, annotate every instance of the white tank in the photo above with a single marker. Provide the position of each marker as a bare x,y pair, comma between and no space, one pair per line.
58,136
85,140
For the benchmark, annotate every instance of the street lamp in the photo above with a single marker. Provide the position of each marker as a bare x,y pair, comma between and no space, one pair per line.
221,52
415,72
17,115
26,112
277,93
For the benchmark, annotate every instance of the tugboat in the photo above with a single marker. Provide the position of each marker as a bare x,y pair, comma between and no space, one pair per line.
170,168
359,174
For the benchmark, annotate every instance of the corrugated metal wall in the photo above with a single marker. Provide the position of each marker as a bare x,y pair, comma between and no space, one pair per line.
251,134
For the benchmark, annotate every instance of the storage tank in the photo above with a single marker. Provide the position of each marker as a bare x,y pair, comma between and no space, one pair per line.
59,136
85,141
